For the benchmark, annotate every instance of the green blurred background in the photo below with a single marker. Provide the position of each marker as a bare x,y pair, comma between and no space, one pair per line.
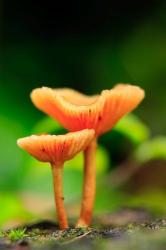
88,46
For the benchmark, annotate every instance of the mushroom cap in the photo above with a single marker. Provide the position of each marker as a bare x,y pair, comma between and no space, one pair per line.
76,111
75,97
56,148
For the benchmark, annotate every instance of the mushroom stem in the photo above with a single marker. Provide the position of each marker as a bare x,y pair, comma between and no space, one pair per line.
89,185
58,195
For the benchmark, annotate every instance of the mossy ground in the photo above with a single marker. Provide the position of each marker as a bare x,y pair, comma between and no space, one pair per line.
147,234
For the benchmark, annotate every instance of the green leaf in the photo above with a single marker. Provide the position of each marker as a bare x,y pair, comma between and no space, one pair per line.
151,149
46,125
131,126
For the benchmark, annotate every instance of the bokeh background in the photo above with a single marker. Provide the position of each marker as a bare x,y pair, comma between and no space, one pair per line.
88,46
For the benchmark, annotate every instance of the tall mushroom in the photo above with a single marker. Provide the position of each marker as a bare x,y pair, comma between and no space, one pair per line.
57,150
76,111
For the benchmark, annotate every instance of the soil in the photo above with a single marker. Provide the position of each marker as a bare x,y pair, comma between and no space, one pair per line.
124,230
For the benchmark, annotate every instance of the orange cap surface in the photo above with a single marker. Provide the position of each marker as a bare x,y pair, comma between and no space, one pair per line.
76,111
75,97
56,148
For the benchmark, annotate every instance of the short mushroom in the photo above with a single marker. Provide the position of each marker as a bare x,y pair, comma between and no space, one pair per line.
57,150
76,111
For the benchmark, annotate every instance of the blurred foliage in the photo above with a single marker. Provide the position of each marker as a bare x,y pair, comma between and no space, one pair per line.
11,170
152,149
153,200
47,125
124,138
133,128
12,209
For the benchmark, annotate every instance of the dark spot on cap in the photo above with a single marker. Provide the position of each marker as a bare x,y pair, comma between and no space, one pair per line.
99,118
43,150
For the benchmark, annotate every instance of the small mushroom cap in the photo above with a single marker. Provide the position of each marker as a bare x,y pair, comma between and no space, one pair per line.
56,148
76,111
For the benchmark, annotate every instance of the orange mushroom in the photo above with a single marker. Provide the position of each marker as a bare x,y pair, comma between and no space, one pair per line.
76,111
57,150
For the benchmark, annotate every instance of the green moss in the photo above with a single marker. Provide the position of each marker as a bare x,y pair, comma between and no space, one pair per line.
17,234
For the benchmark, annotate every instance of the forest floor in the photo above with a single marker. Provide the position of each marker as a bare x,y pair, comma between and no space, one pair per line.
124,230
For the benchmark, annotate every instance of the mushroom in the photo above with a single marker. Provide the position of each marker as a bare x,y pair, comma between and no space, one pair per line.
56,150
76,111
